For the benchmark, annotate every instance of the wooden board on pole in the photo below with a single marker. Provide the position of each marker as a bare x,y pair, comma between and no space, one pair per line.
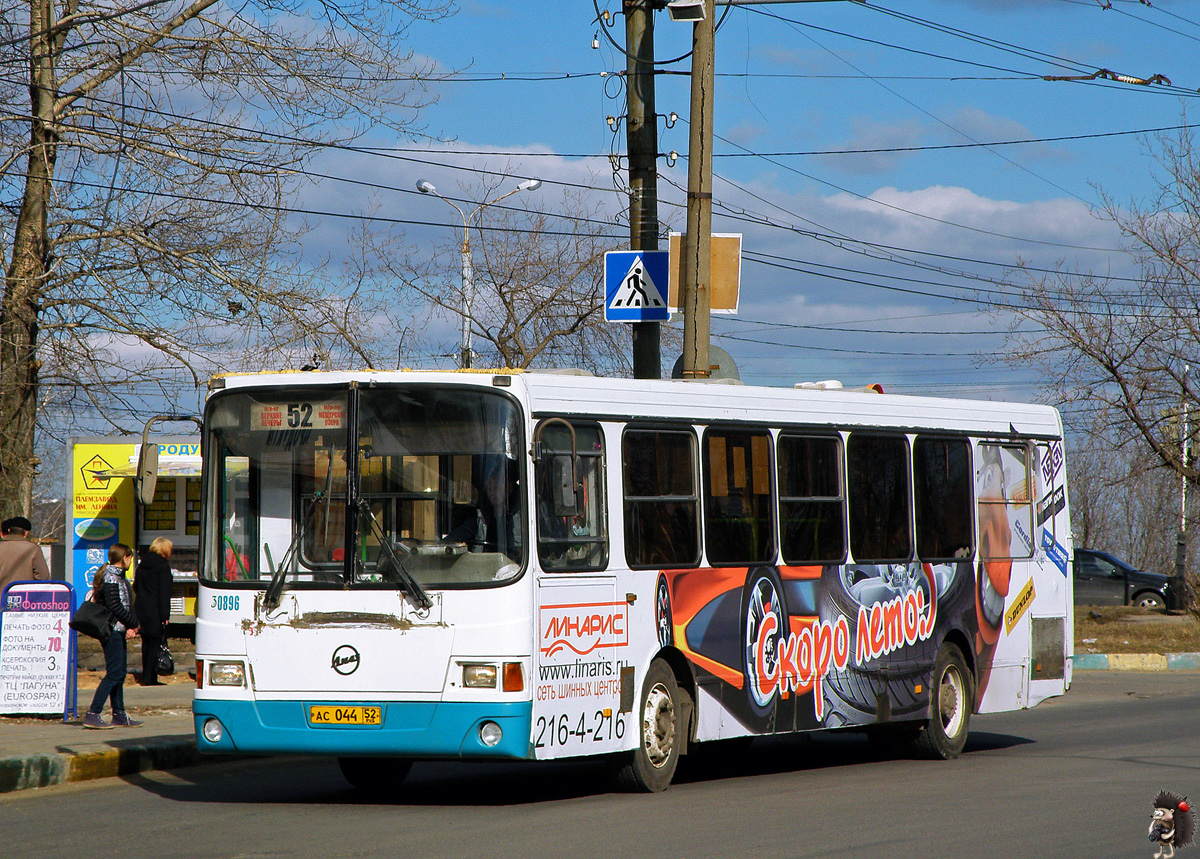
726,272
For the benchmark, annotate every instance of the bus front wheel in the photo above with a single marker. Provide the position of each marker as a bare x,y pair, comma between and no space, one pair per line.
951,699
379,776
650,767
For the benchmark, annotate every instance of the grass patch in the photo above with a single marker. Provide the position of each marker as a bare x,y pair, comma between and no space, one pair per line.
1127,629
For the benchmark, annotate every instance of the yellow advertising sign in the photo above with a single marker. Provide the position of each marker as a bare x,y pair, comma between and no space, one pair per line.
97,494
1019,606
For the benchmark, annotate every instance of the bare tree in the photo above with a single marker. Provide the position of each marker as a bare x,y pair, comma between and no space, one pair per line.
1122,353
148,241
1124,501
538,286
1117,350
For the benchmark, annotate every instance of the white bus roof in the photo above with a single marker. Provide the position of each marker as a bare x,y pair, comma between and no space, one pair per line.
707,402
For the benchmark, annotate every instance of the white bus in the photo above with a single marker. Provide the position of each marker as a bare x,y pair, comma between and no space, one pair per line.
401,566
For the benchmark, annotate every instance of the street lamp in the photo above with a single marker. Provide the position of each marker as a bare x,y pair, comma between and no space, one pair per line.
468,271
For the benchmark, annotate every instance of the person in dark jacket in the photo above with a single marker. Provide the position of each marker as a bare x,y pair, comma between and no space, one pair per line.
152,591
111,589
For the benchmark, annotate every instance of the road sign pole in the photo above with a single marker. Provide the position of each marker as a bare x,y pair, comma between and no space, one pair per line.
641,130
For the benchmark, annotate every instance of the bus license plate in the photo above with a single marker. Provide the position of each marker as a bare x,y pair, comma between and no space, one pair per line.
326,715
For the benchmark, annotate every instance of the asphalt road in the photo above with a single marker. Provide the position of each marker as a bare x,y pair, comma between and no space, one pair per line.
1074,777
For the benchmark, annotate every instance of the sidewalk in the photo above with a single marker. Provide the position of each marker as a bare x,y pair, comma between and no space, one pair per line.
39,751
36,751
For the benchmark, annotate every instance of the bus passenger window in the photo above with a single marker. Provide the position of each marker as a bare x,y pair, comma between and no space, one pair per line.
1003,491
662,506
942,490
737,497
572,530
812,506
877,489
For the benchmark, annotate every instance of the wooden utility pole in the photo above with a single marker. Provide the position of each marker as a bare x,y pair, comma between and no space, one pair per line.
641,132
696,264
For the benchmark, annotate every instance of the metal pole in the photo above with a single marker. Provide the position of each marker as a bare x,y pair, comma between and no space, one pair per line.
468,297
641,135
1179,585
467,269
696,261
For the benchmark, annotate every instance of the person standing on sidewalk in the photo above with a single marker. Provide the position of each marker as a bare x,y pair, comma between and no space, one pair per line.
152,592
20,559
111,589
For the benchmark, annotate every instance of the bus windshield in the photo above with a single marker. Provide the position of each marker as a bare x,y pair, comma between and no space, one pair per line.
425,477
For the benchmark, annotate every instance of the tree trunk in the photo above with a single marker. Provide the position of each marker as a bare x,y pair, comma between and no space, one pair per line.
25,281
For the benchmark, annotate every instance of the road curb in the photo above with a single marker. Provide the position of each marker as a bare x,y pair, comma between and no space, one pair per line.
86,762
1136,661
22,772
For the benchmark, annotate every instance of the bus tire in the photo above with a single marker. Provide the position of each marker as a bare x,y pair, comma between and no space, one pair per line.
650,767
951,698
379,776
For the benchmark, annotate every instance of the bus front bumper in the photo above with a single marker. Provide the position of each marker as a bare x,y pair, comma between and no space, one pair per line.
413,729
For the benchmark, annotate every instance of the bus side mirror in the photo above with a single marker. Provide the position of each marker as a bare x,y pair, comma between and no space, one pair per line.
562,486
147,472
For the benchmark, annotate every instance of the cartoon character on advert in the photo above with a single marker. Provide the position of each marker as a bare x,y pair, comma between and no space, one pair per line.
994,576
1172,825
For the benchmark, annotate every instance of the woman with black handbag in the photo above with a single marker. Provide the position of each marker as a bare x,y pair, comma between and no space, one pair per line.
152,587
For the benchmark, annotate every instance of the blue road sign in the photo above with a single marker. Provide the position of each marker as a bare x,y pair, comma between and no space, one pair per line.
636,286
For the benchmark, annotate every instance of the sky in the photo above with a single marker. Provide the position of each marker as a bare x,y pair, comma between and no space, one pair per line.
886,162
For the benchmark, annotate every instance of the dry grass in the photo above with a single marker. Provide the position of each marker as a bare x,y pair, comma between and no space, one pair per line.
1118,629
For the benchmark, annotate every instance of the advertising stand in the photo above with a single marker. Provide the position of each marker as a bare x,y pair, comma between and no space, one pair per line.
37,649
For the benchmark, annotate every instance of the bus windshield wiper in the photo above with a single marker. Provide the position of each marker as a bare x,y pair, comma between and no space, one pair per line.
275,588
417,593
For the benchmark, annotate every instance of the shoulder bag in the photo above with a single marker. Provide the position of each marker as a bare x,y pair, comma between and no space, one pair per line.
93,620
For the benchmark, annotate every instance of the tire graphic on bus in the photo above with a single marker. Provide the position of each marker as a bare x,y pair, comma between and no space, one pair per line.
662,613
764,631
855,695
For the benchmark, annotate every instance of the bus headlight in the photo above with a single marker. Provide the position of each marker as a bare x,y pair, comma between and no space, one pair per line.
226,674
490,733
479,676
213,730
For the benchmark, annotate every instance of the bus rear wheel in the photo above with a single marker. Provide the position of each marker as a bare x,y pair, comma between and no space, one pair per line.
379,776
951,699
650,767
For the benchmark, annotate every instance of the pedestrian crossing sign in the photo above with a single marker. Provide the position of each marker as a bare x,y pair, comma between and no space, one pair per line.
636,286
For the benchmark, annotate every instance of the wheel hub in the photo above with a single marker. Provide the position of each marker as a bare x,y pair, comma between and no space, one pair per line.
950,702
658,728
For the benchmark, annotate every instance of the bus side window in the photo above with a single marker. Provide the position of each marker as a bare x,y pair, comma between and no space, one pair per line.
571,516
942,490
1004,492
662,505
877,488
738,520
812,505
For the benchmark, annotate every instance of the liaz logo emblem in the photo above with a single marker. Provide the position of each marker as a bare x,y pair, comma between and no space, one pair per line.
345,660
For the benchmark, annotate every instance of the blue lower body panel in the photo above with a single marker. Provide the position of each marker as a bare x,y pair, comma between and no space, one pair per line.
415,729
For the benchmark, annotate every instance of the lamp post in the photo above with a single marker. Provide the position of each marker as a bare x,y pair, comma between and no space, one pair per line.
468,271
